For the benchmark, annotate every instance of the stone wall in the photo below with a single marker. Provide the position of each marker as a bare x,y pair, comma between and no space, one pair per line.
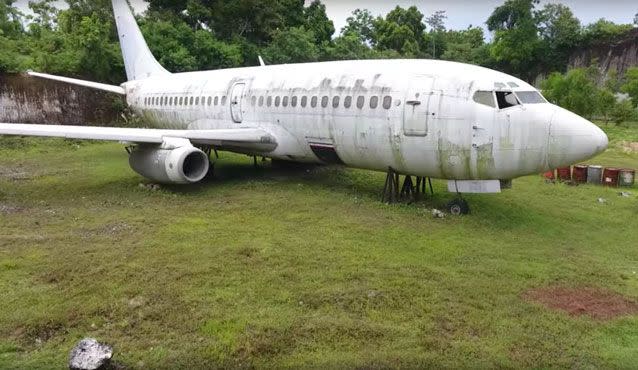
26,99
618,56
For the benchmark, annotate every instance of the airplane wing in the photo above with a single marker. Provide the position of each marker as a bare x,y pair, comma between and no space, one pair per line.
235,138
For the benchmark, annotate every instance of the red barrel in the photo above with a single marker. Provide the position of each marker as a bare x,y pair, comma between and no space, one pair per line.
610,177
565,173
580,173
549,175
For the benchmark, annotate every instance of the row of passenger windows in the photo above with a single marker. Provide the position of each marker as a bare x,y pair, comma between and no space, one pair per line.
161,101
294,101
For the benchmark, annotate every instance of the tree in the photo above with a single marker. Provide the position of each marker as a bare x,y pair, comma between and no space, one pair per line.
630,86
293,45
604,31
560,32
401,30
575,91
516,45
318,22
464,46
437,27
360,24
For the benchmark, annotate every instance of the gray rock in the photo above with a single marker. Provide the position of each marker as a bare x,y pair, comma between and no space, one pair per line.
89,354
438,214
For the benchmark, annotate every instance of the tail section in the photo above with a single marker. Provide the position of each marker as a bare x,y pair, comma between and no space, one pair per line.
138,60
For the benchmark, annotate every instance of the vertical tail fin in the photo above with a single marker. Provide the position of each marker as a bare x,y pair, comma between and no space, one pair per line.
138,60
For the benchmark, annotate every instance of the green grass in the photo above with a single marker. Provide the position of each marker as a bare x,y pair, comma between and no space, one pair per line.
272,268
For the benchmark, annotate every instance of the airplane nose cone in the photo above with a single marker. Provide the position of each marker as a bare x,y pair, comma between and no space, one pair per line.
573,139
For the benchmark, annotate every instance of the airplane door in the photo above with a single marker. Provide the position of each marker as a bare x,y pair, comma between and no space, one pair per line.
417,106
236,101
483,128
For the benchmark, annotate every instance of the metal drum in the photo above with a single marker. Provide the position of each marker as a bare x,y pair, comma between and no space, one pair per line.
564,174
610,177
627,178
594,174
580,174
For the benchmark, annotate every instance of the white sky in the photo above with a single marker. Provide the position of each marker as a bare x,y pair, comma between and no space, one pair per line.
461,13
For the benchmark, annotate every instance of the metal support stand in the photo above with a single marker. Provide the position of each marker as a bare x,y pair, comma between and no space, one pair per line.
391,187
410,191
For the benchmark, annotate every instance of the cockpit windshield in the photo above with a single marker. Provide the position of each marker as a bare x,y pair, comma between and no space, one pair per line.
530,97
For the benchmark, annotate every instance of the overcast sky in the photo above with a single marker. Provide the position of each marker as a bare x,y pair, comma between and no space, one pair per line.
462,13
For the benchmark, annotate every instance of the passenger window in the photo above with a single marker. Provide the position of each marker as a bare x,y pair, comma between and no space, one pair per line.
485,98
374,102
277,101
361,102
210,100
224,100
324,102
216,100
387,102
506,99
197,101
335,102
269,103
192,100
347,102
293,101
304,101
253,101
285,101
181,100
261,101
313,102
170,100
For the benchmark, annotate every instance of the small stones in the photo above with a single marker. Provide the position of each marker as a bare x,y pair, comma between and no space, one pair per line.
89,354
151,187
602,200
624,194
438,214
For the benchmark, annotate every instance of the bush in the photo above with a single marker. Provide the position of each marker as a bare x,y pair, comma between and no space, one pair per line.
623,111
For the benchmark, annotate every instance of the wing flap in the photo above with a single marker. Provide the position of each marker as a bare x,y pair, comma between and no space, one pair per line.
235,137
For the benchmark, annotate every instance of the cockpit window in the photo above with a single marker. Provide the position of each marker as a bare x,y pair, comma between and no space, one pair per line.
530,97
506,99
485,98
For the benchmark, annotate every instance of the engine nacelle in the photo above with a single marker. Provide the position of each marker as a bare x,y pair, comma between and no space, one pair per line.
181,165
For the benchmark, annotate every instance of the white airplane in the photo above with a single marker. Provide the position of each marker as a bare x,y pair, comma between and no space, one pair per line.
426,118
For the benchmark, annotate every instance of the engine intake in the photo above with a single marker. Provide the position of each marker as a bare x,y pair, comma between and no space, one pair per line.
182,165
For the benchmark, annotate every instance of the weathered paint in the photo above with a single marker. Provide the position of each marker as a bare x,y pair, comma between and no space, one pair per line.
462,139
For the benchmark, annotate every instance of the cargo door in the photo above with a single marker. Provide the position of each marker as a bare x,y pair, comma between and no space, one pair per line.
417,106
236,102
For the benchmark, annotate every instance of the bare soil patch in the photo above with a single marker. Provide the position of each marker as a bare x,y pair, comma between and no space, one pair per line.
630,146
596,303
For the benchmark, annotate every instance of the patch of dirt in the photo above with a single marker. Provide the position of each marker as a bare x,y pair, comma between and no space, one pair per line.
596,303
629,146
14,174
109,230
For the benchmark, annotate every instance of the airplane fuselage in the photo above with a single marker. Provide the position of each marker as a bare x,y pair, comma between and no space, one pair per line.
419,117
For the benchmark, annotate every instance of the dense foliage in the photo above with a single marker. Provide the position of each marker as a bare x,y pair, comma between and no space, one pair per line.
527,39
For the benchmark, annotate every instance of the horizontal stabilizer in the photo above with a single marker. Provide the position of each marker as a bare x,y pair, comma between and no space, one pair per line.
73,81
231,137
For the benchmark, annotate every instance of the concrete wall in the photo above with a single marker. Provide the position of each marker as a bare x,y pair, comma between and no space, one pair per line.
26,99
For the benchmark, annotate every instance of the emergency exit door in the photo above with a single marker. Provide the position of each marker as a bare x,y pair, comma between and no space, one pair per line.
417,105
236,102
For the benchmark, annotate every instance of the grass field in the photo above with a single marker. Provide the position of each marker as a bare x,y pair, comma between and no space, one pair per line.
270,268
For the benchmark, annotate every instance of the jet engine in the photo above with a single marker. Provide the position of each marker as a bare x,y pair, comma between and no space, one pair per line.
179,165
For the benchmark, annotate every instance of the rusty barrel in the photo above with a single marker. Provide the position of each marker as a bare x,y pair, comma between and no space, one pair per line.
626,177
549,175
610,177
594,174
564,173
580,173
